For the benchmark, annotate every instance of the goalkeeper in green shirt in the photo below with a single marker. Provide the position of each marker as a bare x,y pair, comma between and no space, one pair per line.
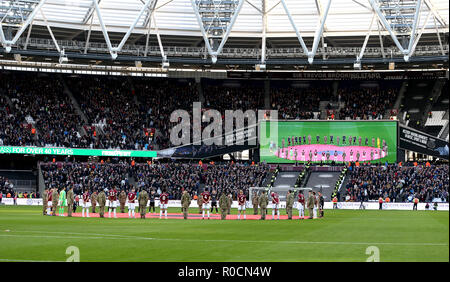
62,201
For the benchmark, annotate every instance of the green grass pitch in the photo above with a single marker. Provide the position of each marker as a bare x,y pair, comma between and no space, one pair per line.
342,235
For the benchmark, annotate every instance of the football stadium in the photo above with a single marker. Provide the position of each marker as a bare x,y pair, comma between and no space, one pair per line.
225,131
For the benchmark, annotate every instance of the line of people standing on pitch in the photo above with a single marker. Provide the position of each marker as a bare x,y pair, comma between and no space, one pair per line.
314,204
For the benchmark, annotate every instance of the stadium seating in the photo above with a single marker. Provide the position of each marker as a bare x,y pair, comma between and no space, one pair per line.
118,112
400,184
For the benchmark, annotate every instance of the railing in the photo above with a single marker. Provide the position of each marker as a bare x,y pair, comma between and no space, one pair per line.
173,51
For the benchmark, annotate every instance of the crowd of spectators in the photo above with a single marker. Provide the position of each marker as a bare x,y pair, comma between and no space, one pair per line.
13,128
6,186
7,190
243,98
399,183
174,177
366,103
109,104
235,177
159,98
134,113
39,107
81,176
298,103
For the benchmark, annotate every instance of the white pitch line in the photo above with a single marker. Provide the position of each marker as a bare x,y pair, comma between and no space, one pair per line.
74,233
28,260
112,236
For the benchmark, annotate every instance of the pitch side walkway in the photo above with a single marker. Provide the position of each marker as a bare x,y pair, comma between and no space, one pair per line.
190,216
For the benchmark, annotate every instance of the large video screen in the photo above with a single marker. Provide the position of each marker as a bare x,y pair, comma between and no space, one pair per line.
328,141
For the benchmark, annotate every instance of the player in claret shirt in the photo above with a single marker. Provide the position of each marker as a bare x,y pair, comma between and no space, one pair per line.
112,197
301,205
86,203
275,205
242,201
163,201
131,203
206,197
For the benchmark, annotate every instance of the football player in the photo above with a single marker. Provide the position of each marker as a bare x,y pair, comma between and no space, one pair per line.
86,203
152,197
206,197
214,201
275,205
131,203
242,201
301,205
163,201
112,197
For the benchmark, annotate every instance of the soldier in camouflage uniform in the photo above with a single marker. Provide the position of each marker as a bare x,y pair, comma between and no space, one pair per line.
122,200
199,203
55,198
223,204
255,203
94,200
70,200
143,199
101,202
263,202
185,202
289,203
310,204
45,201
230,202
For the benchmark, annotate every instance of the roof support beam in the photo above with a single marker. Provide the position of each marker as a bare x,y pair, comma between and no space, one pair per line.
150,11
358,59
114,50
387,26
317,35
256,8
413,47
147,38
382,18
28,36
320,12
8,43
50,31
273,7
381,40
439,37
438,17
264,29
90,12
415,23
161,48
214,53
88,36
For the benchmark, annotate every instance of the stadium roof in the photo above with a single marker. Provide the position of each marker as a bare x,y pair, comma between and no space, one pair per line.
209,27
177,17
